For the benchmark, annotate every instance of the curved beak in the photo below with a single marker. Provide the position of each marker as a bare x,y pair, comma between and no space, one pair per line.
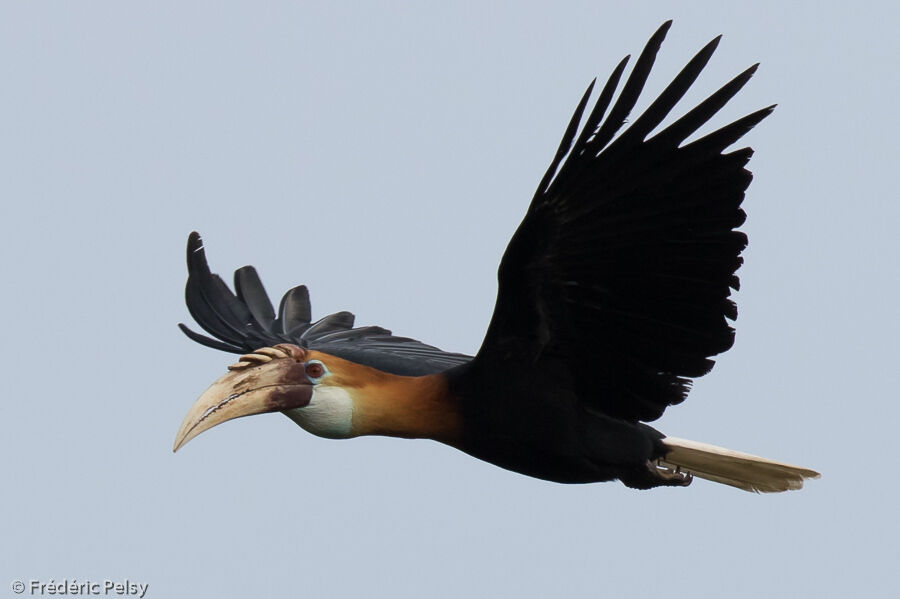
264,381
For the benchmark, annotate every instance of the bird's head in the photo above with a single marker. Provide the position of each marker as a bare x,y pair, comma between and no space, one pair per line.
305,385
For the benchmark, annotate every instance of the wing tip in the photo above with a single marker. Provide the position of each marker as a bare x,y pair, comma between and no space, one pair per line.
195,242
196,255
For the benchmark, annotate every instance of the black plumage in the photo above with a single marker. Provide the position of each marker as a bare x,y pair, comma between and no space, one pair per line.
624,263
247,321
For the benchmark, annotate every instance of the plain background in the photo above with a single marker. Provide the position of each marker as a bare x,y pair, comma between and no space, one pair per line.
383,154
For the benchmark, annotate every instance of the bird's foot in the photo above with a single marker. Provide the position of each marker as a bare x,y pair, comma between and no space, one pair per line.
669,476
656,474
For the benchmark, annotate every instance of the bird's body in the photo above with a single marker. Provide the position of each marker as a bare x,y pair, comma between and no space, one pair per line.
536,425
613,294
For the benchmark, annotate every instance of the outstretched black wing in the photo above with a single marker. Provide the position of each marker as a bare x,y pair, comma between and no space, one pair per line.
624,263
247,321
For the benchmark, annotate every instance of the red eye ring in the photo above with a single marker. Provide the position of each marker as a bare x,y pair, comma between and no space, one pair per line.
315,370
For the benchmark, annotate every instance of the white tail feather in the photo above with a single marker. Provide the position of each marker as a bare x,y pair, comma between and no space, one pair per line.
741,470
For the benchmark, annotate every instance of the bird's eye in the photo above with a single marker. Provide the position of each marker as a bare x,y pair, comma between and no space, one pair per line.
315,370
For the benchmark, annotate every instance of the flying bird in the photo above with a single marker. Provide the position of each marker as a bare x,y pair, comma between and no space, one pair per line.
613,294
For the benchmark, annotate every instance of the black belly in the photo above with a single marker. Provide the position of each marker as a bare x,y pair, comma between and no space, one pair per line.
530,420
562,443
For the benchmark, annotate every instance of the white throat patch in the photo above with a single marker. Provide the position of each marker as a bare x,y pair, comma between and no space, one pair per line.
329,413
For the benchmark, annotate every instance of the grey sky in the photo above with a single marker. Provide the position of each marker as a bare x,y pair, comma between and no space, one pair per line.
384,156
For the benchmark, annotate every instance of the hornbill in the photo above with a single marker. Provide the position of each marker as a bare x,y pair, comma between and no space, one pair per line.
613,294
